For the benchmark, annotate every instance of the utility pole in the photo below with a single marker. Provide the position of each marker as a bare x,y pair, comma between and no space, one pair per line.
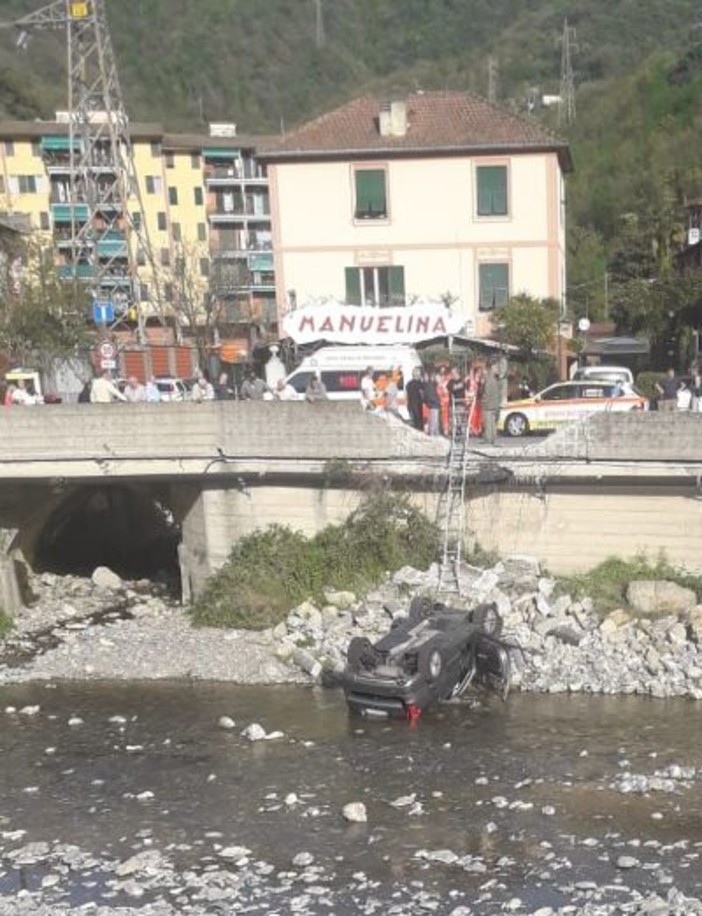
493,78
108,227
566,111
319,37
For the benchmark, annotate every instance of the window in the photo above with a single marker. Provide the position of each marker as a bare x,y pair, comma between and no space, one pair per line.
198,197
161,221
204,267
180,267
136,220
176,233
153,184
141,257
24,184
44,221
165,257
195,160
492,190
375,286
36,149
173,196
155,149
168,291
9,148
371,199
170,162
144,291
201,232
494,286
560,393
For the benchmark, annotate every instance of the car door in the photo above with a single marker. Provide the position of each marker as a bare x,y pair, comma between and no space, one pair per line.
555,405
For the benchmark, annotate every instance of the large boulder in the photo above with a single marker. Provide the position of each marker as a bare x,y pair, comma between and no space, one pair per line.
659,597
103,577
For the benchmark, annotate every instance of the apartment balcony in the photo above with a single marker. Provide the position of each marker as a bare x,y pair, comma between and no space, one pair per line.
75,272
64,213
246,312
223,177
113,245
239,215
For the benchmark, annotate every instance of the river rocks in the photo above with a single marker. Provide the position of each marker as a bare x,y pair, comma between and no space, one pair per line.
659,597
103,577
355,813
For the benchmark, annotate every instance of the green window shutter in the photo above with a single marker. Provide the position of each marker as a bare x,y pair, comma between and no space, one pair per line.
397,285
353,286
492,190
370,193
494,286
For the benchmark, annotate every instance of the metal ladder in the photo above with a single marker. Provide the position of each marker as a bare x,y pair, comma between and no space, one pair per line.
450,511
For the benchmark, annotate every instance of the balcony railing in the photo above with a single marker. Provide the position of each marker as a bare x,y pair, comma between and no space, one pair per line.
233,174
62,212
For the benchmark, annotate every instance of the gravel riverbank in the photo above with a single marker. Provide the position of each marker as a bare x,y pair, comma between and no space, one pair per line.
108,629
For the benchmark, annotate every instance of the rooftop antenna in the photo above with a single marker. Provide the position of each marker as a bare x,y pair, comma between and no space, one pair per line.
566,111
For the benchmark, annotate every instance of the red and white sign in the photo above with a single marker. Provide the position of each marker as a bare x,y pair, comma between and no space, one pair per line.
107,350
354,324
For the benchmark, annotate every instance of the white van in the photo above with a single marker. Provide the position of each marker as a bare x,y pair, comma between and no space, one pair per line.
341,369
604,374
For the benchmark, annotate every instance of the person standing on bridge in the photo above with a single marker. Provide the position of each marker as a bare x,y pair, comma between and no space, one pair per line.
492,401
104,390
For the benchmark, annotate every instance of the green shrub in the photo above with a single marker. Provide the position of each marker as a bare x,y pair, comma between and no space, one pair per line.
607,583
646,383
6,623
271,571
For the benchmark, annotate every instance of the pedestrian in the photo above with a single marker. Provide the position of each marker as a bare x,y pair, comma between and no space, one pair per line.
414,391
223,390
11,388
253,388
474,394
696,389
668,391
153,393
432,404
442,380
368,390
84,393
457,393
503,375
134,391
315,390
104,391
391,398
202,390
284,391
491,403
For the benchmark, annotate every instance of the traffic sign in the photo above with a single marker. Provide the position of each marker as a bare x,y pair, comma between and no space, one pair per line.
107,350
103,311
108,363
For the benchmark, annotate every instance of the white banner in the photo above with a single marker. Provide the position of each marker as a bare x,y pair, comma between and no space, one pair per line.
355,324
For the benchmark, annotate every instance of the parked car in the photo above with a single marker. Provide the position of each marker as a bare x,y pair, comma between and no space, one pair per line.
565,402
172,389
432,654
604,374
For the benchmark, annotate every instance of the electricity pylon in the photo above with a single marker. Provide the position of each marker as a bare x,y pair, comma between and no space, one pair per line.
566,111
109,234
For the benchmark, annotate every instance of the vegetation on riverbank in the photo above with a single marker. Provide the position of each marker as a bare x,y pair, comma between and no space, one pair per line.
5,622
271,571
606,583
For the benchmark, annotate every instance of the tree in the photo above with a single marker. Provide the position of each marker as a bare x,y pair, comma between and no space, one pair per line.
189,298
527,323
42,317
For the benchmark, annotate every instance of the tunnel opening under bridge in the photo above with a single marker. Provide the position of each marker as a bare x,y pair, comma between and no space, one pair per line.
117,526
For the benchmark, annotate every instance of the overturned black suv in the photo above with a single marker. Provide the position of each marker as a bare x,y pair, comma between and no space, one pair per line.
434,653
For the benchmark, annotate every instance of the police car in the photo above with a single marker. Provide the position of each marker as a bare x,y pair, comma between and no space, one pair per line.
564,403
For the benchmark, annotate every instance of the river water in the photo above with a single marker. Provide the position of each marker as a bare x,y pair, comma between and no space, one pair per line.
529,788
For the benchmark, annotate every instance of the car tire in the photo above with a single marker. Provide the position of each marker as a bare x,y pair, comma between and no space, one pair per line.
488,619
359,648
420,608
516,424
430,662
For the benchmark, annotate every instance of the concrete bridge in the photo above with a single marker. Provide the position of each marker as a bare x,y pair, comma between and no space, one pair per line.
125,485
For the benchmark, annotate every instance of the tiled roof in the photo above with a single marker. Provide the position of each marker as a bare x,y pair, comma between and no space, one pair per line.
436,122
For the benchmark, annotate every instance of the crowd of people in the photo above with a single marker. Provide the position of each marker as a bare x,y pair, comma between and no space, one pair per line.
680,392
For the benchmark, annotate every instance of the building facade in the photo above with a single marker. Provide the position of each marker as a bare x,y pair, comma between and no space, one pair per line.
440,196
204,199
